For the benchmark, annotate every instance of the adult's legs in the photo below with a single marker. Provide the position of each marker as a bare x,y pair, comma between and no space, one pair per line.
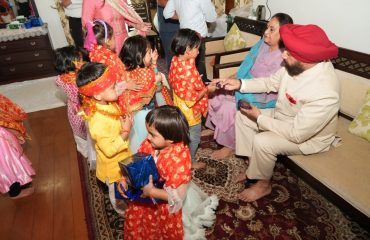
166,39
266,147
75,28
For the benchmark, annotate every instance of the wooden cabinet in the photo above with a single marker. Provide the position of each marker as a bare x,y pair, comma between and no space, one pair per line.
26,59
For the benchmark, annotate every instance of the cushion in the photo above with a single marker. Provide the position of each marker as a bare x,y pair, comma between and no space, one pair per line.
360,126
234,40
350,103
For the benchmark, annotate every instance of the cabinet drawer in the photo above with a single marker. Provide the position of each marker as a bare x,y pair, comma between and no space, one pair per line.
25,69
27,44
22,57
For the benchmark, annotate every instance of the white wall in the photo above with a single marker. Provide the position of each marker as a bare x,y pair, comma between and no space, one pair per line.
50,16
346,22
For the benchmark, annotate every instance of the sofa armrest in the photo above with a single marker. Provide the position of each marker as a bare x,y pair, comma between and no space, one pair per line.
231,56
214,45
225,70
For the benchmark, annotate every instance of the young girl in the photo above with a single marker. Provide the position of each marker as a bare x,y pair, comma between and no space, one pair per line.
108,127
67,61
100,43
15,168
189,92
186,209
141,67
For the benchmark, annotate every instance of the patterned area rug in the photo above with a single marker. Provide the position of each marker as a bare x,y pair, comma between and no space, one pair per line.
292,211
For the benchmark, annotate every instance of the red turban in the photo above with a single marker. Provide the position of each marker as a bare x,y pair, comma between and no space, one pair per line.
307,43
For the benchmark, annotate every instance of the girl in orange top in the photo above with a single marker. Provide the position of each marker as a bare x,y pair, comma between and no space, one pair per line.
141,68
189,92
185,209
100,43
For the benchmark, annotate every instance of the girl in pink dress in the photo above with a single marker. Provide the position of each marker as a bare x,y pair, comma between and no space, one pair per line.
117,14
67,61
15,168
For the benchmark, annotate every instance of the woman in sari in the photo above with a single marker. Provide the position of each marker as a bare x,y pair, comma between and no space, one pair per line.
263,60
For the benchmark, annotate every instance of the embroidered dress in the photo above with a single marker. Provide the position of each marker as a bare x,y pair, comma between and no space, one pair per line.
131,101
67,82
222,106
187,84
14,164
181,218
134,102
103,55
12,116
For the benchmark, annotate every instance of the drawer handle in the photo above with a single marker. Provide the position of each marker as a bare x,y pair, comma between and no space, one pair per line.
3,47
8,58
33,43
12,69
36,54
40,65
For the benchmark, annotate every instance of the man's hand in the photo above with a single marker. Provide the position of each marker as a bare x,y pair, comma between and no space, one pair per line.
252,113
228,84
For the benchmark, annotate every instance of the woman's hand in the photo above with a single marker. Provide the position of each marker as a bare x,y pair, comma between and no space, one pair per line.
147,189
122,187
144,26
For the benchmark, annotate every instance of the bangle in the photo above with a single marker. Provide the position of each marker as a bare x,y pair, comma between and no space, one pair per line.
156,71
240,86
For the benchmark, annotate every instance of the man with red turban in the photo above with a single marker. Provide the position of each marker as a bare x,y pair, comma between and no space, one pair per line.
305,117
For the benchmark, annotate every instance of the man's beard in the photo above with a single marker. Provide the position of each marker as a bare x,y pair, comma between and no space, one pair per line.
295,69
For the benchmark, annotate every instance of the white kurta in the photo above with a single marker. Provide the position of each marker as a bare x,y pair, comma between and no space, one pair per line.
305,116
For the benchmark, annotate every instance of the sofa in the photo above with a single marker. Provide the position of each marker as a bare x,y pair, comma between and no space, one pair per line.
341,174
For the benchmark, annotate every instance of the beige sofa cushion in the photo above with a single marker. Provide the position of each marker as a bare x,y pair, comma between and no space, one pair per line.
346,170
353,92
250,38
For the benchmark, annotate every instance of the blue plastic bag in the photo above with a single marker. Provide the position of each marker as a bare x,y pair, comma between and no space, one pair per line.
137,174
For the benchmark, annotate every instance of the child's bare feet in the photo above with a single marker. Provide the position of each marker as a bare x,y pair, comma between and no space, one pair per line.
222,153
24,193
198,165
207,132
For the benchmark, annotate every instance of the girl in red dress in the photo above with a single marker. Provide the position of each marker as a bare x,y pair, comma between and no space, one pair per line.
101,46
141,67
179,215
